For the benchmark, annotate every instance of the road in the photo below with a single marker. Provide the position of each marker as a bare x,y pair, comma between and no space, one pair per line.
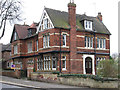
13,87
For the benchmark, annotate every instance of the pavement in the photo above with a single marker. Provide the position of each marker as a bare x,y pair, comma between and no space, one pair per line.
32,84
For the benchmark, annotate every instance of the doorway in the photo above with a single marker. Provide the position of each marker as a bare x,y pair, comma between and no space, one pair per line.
88,65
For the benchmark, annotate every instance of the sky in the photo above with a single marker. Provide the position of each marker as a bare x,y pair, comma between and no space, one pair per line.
32,11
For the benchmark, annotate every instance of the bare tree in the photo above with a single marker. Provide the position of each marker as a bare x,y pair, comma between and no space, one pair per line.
10,10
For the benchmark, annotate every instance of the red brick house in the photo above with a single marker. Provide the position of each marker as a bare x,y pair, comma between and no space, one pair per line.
6,56
61,41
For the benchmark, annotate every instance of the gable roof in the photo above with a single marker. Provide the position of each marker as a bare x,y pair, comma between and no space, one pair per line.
21,31
60,20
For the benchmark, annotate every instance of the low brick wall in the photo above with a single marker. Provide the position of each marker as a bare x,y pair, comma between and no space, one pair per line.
82,82
15,74
44,77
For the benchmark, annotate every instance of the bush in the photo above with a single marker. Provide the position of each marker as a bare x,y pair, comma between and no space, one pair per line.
34,70
57,72
108,68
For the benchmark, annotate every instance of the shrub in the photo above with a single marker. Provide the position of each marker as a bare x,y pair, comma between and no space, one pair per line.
56,72
108,68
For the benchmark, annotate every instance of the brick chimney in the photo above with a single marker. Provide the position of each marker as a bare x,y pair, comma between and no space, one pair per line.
72,23
99,16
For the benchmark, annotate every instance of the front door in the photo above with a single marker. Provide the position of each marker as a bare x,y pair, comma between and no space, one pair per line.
88,65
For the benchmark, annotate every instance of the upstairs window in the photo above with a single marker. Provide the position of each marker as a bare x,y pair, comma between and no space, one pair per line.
29,32
29,47
88,42
64,40
46,41
101,43
15,49
88,25
46,23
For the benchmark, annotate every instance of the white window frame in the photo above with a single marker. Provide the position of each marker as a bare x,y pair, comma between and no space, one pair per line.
64,59
88,42
88,25
64,40
46,41
101,43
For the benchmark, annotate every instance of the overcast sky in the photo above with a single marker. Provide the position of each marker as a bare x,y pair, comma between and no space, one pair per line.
32,11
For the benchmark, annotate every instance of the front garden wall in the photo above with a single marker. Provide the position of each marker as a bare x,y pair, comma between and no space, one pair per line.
76,81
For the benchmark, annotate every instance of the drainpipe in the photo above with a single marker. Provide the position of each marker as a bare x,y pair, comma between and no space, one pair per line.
60,50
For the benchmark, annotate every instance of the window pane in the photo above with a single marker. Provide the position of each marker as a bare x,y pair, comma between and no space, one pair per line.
100,43
64,40
43,41
86,24
15,37
48,40
90,65
85,41
88,42
97,42
89,25
63,62
15,49
30,47
45,23
54,64
91,42
104,43
37,44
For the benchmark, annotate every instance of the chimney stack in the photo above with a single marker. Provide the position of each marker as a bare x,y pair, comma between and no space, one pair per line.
72,23
99,16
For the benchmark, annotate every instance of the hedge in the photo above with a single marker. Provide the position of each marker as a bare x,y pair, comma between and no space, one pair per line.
95,77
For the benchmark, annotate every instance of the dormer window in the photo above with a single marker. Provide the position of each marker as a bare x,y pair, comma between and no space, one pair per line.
88,25
29,32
